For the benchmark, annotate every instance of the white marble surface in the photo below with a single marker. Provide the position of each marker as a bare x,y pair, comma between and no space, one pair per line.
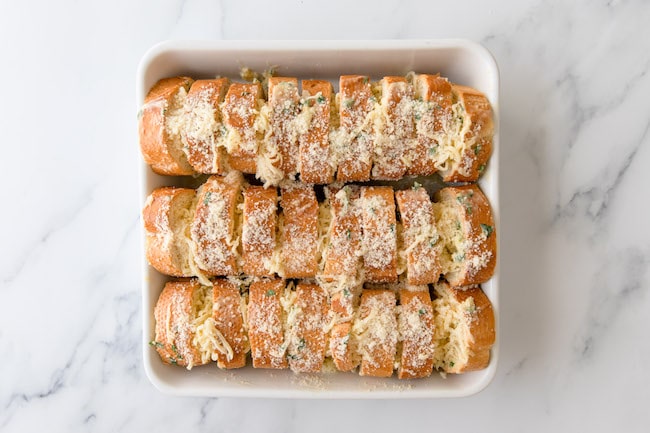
575,137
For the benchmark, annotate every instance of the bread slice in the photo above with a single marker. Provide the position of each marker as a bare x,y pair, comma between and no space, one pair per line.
465,224
284,104
395,134
433,116
160,122
416,330
422,245
375,329
176,314
315,163
379,234
240,110
266,324
299,231
344,301
343,250
203,135
259,230
305,328
464,328
213,228
474,130
229,322
167,215
354,143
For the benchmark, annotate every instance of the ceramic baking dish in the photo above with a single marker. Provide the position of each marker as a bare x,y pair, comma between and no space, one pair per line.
462,61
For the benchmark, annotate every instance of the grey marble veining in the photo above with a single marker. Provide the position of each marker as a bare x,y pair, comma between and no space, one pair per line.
575,254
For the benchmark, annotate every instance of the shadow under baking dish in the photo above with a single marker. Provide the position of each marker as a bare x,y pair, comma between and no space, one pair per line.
463,62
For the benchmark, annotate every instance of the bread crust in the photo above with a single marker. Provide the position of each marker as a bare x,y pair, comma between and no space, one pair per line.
397,135
155,142
355,103
307,346
342,255
436,92
478,229
174,331
479,136
228,319
203,154
379,234
379,349
314,146
239,110
213,227
423,260
416,327
160,241
265,324
259,229
284,104
481,325
299,237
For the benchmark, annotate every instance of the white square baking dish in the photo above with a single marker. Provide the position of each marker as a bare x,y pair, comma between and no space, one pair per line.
462,61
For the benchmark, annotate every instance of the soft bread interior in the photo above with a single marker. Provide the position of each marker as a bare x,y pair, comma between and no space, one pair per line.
175,118
208,340
452,333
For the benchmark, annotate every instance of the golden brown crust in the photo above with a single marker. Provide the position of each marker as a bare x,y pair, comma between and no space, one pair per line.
417,330
265,325
314,146
229,321
435,90
155,142
379,234
239,111
343,252
201,152
299,238
356,102
307,347
284,104
394,140
160,242
174,332
213,228
479,136
341,348
259,229
479,231
423,260
481,326
379,347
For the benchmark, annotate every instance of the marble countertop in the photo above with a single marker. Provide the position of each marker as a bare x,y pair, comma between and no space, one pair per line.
575,255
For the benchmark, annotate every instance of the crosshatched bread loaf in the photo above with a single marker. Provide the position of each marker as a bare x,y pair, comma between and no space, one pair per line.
159,125
416,124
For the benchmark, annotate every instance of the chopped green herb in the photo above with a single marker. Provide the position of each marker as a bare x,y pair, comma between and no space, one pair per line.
245,93
301,344
392,228
293,357
459,257
365,80
223,130
477,149
348,234
432,150
416,186
346,293
173,361
438,107
418,116
487,230
432,242
457,225
422,311
451,363
464,200
481,168
349,103
270,292
156,344
321,99
207,197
